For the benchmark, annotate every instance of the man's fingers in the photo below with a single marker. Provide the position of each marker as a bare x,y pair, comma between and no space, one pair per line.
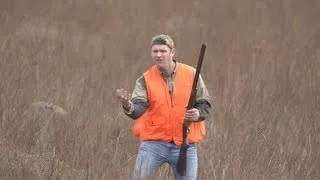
192,114
128,96
118,93
189,115
192,110
121,91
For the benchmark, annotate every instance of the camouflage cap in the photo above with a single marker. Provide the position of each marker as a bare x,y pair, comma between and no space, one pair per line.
162,39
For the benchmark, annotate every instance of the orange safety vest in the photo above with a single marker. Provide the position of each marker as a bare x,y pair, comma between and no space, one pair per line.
164,117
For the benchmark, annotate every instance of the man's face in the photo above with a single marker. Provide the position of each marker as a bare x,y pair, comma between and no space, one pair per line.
162,55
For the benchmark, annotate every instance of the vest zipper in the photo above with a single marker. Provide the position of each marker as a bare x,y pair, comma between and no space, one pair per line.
171,98
169,91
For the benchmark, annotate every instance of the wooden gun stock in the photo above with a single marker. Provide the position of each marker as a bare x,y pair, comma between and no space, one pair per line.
182,161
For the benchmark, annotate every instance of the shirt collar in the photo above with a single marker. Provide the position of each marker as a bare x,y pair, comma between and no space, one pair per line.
174,71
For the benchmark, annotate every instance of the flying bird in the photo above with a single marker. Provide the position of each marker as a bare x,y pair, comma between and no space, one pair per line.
48,106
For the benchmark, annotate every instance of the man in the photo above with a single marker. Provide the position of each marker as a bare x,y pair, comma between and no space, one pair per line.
158,106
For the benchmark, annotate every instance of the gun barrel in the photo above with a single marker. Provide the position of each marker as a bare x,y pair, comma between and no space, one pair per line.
182,161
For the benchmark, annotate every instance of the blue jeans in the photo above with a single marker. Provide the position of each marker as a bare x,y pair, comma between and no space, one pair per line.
152,154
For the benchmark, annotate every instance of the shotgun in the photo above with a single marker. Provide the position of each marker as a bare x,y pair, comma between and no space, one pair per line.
182,161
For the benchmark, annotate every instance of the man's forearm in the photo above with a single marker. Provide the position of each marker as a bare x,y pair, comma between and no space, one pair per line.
139,107
204,107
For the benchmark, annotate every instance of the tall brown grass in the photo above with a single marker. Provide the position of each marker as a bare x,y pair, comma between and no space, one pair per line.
261,68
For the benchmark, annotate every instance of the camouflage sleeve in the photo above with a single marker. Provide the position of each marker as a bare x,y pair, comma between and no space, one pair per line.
139,99
203,100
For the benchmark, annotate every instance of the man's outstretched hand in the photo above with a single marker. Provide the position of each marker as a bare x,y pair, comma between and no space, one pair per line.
124,97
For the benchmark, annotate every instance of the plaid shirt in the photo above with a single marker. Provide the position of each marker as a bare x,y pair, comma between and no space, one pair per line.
140,101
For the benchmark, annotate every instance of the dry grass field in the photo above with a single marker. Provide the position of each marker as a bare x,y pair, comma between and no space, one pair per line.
261,68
